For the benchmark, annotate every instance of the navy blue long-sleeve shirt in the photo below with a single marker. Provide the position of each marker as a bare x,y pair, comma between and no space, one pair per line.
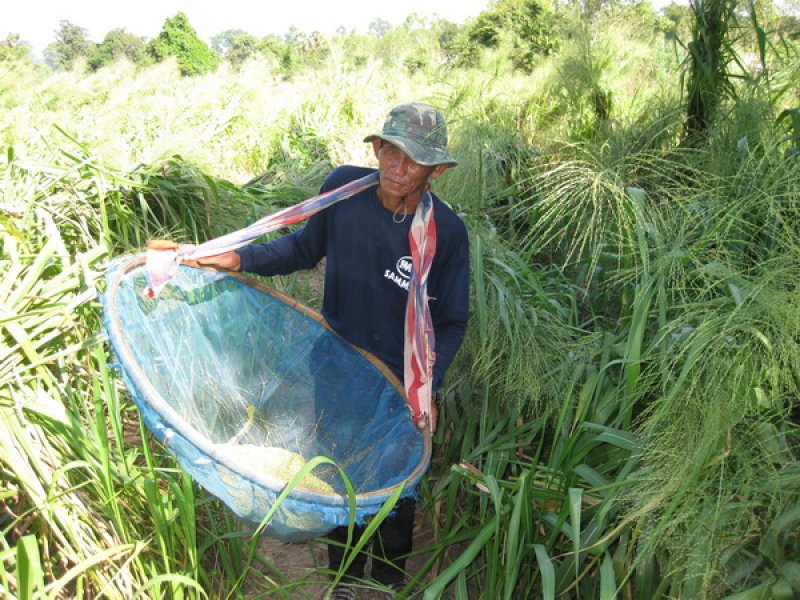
367,271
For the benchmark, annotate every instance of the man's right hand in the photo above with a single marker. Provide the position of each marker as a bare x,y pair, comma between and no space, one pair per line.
227,260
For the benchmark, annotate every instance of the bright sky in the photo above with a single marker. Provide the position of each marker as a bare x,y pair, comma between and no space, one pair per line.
36,21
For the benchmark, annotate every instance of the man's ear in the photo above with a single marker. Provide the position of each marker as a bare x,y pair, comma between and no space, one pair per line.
376,145
439,170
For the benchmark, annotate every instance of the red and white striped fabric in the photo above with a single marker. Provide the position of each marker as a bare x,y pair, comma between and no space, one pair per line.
163,259
418,354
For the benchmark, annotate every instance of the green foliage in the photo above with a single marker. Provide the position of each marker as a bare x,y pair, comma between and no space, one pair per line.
179,39
676,21
486,29
789,26
583,68
237,46
71,44
298,51
297,148
177,200
456,48
530,25
791,116
222,42
691,298
535,33
711,51
272,46
312,49
118,44
14,49
242,48
411,46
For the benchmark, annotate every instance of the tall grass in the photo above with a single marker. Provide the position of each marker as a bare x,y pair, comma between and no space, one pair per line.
683,263
75,470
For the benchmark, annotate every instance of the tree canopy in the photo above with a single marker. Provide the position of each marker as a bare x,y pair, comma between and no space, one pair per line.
179,39
70,45
117,44
13,48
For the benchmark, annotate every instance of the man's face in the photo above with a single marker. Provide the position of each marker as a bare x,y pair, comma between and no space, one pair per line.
400,176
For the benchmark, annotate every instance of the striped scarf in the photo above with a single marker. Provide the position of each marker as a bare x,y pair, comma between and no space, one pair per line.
418,354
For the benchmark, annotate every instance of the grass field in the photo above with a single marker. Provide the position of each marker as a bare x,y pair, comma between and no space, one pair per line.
622,418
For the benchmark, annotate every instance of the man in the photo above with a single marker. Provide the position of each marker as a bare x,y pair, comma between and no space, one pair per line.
365,241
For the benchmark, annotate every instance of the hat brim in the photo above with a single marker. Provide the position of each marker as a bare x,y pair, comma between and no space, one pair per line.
420,153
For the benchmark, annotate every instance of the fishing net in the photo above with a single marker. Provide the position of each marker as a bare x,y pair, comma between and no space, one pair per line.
244,385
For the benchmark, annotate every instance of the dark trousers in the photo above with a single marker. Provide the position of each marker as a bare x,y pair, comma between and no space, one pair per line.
390,547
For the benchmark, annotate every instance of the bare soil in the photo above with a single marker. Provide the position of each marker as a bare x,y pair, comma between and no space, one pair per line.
302,566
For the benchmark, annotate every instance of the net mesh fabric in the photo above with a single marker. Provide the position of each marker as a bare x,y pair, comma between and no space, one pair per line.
228,375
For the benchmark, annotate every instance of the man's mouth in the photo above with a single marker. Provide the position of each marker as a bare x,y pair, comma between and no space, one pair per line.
394,182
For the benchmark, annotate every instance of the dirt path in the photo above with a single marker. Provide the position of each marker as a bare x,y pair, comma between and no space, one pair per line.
300,564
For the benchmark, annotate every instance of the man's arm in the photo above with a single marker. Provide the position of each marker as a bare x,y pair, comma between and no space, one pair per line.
291,252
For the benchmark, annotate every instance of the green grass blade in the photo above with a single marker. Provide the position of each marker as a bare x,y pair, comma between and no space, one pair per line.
516,536
176,581
548,572
438,585
575,502
608,584
30,578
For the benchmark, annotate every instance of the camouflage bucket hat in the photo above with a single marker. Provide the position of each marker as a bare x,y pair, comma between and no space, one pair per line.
419,131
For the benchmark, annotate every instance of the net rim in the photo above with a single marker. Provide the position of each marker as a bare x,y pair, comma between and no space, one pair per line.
169,416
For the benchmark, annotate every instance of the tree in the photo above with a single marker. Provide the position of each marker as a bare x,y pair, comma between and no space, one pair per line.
486,29
237,46
179,39
70,45
118,44
379,27
272,46
534,31
222,42
312,47
456,45
242,47
301,48
529,24
14,49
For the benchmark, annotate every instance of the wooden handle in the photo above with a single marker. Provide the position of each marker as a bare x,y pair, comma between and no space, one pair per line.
161,245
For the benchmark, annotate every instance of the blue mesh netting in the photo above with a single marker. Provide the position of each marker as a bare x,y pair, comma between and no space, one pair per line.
226,372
